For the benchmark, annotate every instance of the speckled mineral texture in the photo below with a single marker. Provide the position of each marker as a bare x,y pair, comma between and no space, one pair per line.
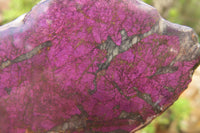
91,66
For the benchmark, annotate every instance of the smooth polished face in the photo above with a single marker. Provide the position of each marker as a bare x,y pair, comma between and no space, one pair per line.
86,66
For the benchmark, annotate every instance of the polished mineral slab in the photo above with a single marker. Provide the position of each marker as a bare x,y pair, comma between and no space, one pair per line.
91,66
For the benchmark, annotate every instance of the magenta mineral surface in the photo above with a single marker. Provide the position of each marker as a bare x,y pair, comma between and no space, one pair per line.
91,66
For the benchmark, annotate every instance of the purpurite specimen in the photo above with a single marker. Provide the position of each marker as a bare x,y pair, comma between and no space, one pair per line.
91,66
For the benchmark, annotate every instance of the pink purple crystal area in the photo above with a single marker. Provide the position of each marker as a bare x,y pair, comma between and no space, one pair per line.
91,66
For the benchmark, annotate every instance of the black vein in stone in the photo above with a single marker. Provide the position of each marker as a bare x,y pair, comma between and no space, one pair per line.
147,98
120,90
82,110
25,56
133,116
170,89
126,43
119,131
8,90
165,69
90,91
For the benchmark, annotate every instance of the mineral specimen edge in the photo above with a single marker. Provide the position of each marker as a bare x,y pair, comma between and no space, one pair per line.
104,66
